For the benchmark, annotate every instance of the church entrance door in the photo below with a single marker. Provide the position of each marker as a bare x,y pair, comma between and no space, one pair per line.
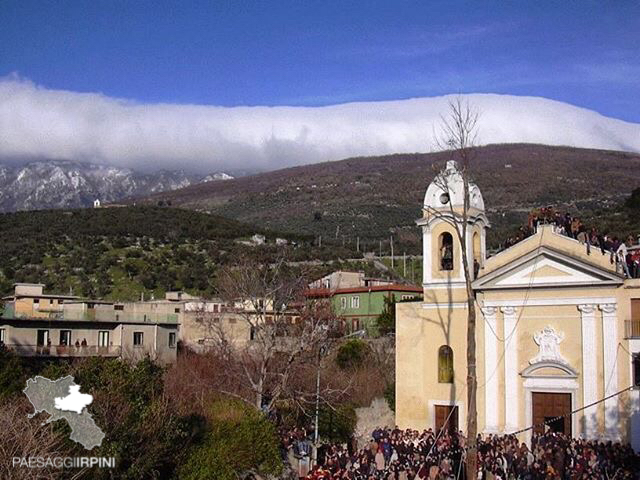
447,418
548,406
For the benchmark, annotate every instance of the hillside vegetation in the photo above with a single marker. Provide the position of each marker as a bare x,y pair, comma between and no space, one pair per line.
372,197
122,253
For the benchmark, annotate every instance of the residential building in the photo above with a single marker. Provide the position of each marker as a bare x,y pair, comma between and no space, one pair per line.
49,325
345,279
359,301
558,331
206,322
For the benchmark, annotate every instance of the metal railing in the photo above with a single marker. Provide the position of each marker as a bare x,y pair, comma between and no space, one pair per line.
64,350
89,315
632,329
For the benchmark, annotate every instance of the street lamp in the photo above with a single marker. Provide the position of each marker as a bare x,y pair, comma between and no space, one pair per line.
321,352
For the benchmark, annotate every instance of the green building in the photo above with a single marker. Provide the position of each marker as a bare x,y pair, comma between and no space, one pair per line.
361,306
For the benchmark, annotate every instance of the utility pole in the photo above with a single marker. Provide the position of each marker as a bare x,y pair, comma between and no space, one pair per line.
358,244
404,264
321,352
413,277
391,242
380,248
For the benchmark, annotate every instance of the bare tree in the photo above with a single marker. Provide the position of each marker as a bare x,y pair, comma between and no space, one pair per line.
282,331
24,438
458,134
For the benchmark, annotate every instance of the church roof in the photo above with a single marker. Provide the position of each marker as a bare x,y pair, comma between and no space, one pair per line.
447,190
547,259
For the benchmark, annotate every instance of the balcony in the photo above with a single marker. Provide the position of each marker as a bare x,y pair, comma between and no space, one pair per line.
88,315
632,329
64,351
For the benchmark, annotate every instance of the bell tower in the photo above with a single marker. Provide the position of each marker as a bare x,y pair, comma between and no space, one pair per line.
441,216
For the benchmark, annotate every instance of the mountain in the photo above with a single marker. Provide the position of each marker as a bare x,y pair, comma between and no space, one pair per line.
66,184
371,196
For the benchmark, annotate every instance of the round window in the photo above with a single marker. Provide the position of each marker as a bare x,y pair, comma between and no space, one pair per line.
444,198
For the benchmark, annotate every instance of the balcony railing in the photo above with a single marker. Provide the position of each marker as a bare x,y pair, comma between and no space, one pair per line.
632,329
90,315
64,351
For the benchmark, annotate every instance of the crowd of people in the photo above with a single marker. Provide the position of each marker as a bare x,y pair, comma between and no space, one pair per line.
394,454
627,260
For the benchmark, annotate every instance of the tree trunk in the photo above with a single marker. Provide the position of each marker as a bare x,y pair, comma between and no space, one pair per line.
472,414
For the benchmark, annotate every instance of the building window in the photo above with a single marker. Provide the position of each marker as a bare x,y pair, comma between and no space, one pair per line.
343,303
118,307
407,297
636,370
446,251
177,310
445,364
172,339
2,337
103,338
65,337
216,308
355,302
36,301
43,338
138,339
252,333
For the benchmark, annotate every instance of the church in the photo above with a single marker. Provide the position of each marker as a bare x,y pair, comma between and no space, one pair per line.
558,331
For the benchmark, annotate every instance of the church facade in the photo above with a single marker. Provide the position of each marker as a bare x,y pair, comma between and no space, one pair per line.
558,331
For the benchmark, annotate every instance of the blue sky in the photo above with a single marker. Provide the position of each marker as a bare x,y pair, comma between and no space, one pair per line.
326,52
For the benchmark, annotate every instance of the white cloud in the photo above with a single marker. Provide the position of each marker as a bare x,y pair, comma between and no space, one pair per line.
38,123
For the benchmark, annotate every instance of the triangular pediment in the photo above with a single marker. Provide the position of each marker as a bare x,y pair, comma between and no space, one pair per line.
545,267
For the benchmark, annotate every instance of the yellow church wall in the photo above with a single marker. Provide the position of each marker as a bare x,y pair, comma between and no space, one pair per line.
444,297
419,335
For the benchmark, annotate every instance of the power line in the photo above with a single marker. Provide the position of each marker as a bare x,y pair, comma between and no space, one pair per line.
572,412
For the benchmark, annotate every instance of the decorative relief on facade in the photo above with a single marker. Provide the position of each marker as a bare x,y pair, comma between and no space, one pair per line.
587,309
548,340
609,308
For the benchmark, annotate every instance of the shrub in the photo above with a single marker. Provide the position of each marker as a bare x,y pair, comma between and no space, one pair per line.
352,354
390,396
13,374
337,424
239,439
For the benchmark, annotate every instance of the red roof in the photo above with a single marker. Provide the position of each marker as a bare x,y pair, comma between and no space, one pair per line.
325,292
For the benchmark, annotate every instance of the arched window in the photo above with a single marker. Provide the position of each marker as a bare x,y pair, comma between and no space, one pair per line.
477,253
445,364
446,251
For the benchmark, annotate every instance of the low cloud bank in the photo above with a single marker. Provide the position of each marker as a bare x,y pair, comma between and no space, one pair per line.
40,123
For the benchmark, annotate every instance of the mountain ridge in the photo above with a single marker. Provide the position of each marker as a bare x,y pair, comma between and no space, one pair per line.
69,184
372,196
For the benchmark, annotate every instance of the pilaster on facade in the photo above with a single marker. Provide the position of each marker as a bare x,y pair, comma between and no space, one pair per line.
511,377
610,346
426,256
589,366
491,373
